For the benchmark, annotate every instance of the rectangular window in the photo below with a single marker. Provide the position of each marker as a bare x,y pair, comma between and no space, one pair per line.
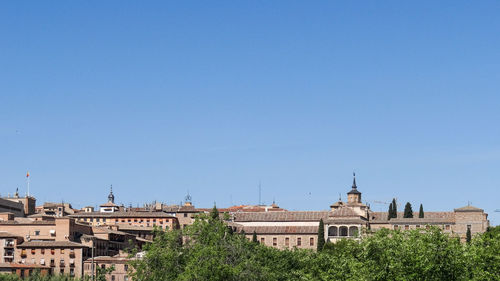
135,220
299,241
37,232
33,251
417,226
62,251
287,241
125,267
262,240
275,241
396,226
407,227
311,241
447,227
185,215
42,250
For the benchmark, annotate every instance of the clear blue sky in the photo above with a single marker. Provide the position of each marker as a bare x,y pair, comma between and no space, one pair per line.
158,98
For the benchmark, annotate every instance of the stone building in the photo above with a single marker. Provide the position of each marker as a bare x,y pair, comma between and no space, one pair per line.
347,220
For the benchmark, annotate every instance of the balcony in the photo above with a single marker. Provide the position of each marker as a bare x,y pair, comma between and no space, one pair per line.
9,244
23,253
72,254
62,264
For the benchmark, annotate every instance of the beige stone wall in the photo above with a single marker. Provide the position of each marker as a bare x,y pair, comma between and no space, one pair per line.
164,223
280,240
44,256
185,219
476,220
120,272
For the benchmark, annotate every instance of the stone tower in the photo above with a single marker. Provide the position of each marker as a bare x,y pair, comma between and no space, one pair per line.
354,196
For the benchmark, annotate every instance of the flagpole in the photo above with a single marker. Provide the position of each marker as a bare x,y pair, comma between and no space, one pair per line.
28,181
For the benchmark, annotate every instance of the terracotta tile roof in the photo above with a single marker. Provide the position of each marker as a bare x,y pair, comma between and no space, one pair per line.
122,215
279,229
468,209
344,212
134,227
108,204
51,244
280,216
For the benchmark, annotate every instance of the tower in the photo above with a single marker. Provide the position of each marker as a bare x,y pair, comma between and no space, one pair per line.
111,197
354,196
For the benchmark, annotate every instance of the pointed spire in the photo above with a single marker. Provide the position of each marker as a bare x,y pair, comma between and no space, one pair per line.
354,180
111,197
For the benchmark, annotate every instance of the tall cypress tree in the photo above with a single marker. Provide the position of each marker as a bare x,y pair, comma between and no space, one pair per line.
321,235
254,237
389,212
421,211
408,211
468,236
394,208
214,214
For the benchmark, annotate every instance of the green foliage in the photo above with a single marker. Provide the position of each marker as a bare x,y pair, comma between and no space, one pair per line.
254,237
214,213
321,235
36,276
468,236
421,211
212,252
394,208
389,212
408,211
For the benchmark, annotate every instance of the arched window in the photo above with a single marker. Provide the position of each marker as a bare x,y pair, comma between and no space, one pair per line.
332,231
343,231
353,231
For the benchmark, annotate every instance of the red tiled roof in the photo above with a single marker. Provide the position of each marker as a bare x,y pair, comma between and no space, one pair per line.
51,244
279,229
280,216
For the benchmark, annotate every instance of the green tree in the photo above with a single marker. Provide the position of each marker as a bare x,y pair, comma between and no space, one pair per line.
254,237
394,208
421,211
321,235
468,235
408,213
214,214
389,212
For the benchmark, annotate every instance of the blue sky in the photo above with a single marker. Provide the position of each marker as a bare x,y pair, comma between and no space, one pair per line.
162,97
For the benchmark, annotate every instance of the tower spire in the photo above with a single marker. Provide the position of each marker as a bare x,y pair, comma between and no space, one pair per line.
354,180
111,197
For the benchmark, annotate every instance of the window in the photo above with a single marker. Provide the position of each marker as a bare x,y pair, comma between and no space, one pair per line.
33,251
112,278
62,251
129,220
417,226
407,227
299,241
275,241
125,267
185,215
311,241
262,240
287,241
103,266
447,227
37,232
396,226
117,220
61,271
71,272
154,220
332,231
469,227
123,220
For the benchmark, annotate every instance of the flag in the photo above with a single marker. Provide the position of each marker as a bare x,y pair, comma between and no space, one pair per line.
28,174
